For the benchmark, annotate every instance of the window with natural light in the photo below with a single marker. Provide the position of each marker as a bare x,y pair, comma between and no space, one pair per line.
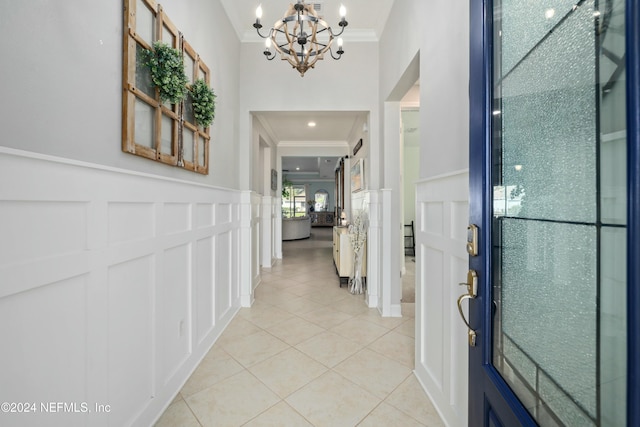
294,202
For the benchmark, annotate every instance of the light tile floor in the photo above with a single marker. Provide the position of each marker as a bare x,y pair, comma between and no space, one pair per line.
308,353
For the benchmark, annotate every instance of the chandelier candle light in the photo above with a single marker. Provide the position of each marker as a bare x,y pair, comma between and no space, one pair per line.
295,36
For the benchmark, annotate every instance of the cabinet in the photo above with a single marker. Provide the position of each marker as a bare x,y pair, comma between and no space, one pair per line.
322,219
343,254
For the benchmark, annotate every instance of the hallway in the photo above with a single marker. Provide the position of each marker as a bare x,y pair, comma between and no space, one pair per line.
308,353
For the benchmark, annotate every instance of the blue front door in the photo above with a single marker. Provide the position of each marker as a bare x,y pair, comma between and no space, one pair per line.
555,195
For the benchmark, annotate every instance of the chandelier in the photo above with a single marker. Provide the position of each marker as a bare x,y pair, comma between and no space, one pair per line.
296,36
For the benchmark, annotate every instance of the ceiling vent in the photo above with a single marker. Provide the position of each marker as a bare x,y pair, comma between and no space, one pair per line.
319,8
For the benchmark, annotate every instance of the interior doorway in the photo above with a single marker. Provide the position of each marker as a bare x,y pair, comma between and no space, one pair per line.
409,175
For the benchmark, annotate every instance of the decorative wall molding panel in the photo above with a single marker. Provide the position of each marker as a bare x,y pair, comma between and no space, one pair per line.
250,235
441,336
373,250
268,230
113,286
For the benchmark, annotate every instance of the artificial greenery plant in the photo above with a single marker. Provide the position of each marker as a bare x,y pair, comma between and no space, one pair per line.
286,188
203,101
167,72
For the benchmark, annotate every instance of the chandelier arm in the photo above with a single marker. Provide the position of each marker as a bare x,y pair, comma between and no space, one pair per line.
260,34
336,34
340,52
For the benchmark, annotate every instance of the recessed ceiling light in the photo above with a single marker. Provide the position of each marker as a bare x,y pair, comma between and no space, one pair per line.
297,169
311,124
549,13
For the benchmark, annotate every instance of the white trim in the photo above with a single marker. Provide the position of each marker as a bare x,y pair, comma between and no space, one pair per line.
95,166
442,176
313,144
395,310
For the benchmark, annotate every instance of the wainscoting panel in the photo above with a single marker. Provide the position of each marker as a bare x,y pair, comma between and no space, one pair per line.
205,215
441,337
223,273
250,240
130,337
41,229
223,213
432,218
130,221
174,310
113,286
176,217
49,323
457,331
432,297
203,298
267,236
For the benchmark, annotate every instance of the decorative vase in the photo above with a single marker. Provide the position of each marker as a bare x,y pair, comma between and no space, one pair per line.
355,286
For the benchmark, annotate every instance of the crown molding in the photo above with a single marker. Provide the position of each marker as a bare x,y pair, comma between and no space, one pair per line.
295,144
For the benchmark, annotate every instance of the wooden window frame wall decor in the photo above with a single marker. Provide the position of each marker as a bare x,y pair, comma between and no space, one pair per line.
172,135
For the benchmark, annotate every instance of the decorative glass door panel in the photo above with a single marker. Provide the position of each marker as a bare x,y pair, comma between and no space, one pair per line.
559,203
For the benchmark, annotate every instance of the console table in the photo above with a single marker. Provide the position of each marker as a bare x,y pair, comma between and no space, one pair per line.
322,219
343,255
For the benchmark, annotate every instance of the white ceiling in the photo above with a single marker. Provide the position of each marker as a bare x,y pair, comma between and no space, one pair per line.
366,19
331,126
366,23
312,168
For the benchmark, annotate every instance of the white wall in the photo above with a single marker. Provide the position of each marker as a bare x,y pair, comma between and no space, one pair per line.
411,164
442,194
62,72
410,159
331,86
444,105
116,273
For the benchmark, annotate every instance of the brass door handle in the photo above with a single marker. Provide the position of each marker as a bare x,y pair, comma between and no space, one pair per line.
472,292
460,299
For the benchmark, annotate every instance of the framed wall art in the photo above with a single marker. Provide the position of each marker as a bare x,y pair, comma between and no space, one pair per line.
153,127
357,176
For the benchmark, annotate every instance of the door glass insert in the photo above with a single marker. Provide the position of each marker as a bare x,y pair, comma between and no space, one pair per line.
559,203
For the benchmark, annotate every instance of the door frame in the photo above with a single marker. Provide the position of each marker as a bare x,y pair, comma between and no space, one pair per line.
633,209
484,380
